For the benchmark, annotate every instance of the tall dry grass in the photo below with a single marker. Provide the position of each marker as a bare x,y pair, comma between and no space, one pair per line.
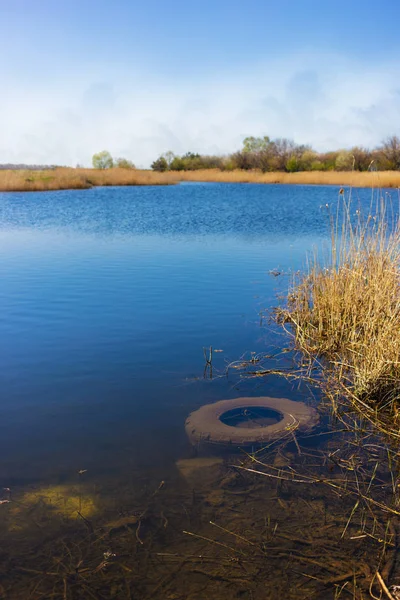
377,179
344,314
66,178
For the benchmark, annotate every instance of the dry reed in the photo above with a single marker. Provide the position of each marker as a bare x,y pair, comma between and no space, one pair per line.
382,179
65,178
68,178
344,315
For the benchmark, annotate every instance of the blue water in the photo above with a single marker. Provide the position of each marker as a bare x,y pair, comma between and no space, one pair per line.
107,299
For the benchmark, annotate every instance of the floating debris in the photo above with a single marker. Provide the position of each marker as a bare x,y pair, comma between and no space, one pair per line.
275,272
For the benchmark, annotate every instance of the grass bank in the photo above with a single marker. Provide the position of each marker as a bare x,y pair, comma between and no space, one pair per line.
68,178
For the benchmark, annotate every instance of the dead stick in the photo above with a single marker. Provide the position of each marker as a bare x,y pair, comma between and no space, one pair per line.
383,586
340,578
233,533
201,537
137,533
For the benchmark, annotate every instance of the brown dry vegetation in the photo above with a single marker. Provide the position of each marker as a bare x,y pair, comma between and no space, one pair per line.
66,178
344,314
69,178
382,179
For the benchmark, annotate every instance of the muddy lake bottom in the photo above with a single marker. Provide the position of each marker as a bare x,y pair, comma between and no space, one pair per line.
208,529
108,298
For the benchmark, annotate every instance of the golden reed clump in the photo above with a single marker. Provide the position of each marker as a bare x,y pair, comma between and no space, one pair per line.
344,315
68,178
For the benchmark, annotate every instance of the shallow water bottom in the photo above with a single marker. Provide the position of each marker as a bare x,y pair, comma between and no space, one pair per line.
209,528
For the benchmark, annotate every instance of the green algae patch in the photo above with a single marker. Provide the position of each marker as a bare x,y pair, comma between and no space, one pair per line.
69,502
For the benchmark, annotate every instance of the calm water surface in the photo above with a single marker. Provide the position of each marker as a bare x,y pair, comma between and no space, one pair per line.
107,298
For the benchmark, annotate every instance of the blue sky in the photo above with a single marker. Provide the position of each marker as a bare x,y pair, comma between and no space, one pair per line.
143,78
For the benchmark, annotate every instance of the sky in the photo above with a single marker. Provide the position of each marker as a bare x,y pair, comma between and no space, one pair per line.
141,78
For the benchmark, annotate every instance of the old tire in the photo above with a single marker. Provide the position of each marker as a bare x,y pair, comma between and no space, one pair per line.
204,424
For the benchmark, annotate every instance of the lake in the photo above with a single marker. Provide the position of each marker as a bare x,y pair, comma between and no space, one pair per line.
108,297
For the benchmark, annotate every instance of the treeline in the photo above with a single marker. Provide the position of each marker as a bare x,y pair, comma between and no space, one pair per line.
24,167
265,154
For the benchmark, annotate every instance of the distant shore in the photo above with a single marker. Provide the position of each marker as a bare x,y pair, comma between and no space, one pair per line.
69,178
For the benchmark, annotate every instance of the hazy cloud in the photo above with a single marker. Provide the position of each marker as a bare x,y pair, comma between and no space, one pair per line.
139,117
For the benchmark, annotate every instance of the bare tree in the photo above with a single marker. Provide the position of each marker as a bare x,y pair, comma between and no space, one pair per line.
391,151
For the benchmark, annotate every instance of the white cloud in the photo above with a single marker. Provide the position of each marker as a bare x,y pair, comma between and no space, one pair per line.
338,104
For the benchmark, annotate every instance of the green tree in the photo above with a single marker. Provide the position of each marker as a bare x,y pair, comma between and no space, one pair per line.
124,163
306,159
344,161
327,161
255,144
102,160
318,165
178,164
160,164
292,164
191,156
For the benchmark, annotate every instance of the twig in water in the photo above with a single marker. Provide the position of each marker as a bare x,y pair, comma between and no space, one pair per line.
137,533
233,533
208,364
384,586
201,537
